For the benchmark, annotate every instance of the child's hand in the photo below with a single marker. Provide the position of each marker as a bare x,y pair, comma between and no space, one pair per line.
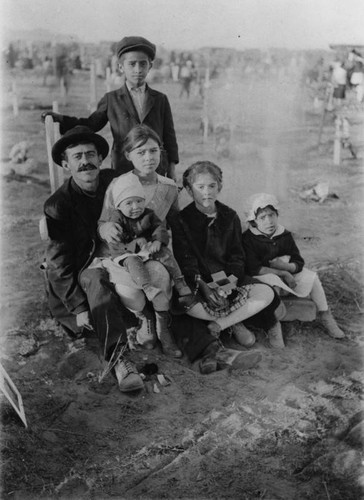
111,232
212,298
141,242
289,279
278,263
154,247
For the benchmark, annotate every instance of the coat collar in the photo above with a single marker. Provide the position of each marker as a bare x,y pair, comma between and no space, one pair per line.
148,103
223,213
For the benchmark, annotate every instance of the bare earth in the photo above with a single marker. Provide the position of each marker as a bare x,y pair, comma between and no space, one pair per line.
288,429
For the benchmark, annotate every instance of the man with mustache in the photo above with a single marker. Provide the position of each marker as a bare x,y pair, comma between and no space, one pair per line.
82,298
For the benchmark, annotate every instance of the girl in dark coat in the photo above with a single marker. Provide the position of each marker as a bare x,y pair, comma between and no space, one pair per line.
207,240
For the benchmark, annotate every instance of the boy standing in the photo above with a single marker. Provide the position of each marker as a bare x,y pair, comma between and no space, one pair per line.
133,104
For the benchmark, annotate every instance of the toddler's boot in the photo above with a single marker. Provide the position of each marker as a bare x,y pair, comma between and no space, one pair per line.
181,286
146,335
275,336
328,321
164,335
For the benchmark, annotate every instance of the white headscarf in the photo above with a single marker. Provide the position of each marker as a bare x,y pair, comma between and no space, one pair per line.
259,200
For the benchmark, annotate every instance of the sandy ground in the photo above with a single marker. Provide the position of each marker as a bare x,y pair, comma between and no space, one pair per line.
290,428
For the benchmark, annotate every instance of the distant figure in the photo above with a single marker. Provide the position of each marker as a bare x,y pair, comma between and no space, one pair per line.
222,140
99,68
11,56
339,80
186,76
357,80
63,71
77,64
47,69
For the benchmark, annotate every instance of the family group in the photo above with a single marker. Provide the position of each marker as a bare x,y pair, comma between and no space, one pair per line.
121,255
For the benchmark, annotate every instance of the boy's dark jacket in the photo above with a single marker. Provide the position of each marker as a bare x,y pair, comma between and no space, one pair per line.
118,109
260,249
219,243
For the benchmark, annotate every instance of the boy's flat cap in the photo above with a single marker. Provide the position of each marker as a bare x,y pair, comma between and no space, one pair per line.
129,43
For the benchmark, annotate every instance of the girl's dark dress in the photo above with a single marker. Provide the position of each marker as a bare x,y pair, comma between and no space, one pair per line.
219,244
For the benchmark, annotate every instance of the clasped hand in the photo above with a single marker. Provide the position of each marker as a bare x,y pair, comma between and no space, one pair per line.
278,263
212,297
57,117
289,279
83,320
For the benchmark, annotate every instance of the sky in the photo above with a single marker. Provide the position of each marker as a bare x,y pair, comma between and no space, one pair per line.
192,24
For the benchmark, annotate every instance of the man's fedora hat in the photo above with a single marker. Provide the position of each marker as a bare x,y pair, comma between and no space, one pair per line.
75,136
129,43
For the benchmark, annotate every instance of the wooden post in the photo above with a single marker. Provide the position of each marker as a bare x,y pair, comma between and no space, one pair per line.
93,91
57,133
108,79
50,141
205,118
59,173
15,99
9,389
62,87
325,108
56,174
337,141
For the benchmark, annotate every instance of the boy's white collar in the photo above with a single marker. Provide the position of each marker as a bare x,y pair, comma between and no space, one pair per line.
280,229
142,87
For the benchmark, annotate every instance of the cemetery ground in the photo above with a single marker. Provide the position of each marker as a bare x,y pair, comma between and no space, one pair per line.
291,428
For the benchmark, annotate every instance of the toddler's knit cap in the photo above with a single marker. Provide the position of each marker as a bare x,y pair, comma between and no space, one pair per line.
126,186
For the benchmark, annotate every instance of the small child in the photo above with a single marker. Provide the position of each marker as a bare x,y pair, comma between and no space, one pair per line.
143,237
133,104
271,250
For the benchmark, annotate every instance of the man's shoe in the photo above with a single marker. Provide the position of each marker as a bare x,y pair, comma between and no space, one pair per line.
242,335
208,362
275,336
127,376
